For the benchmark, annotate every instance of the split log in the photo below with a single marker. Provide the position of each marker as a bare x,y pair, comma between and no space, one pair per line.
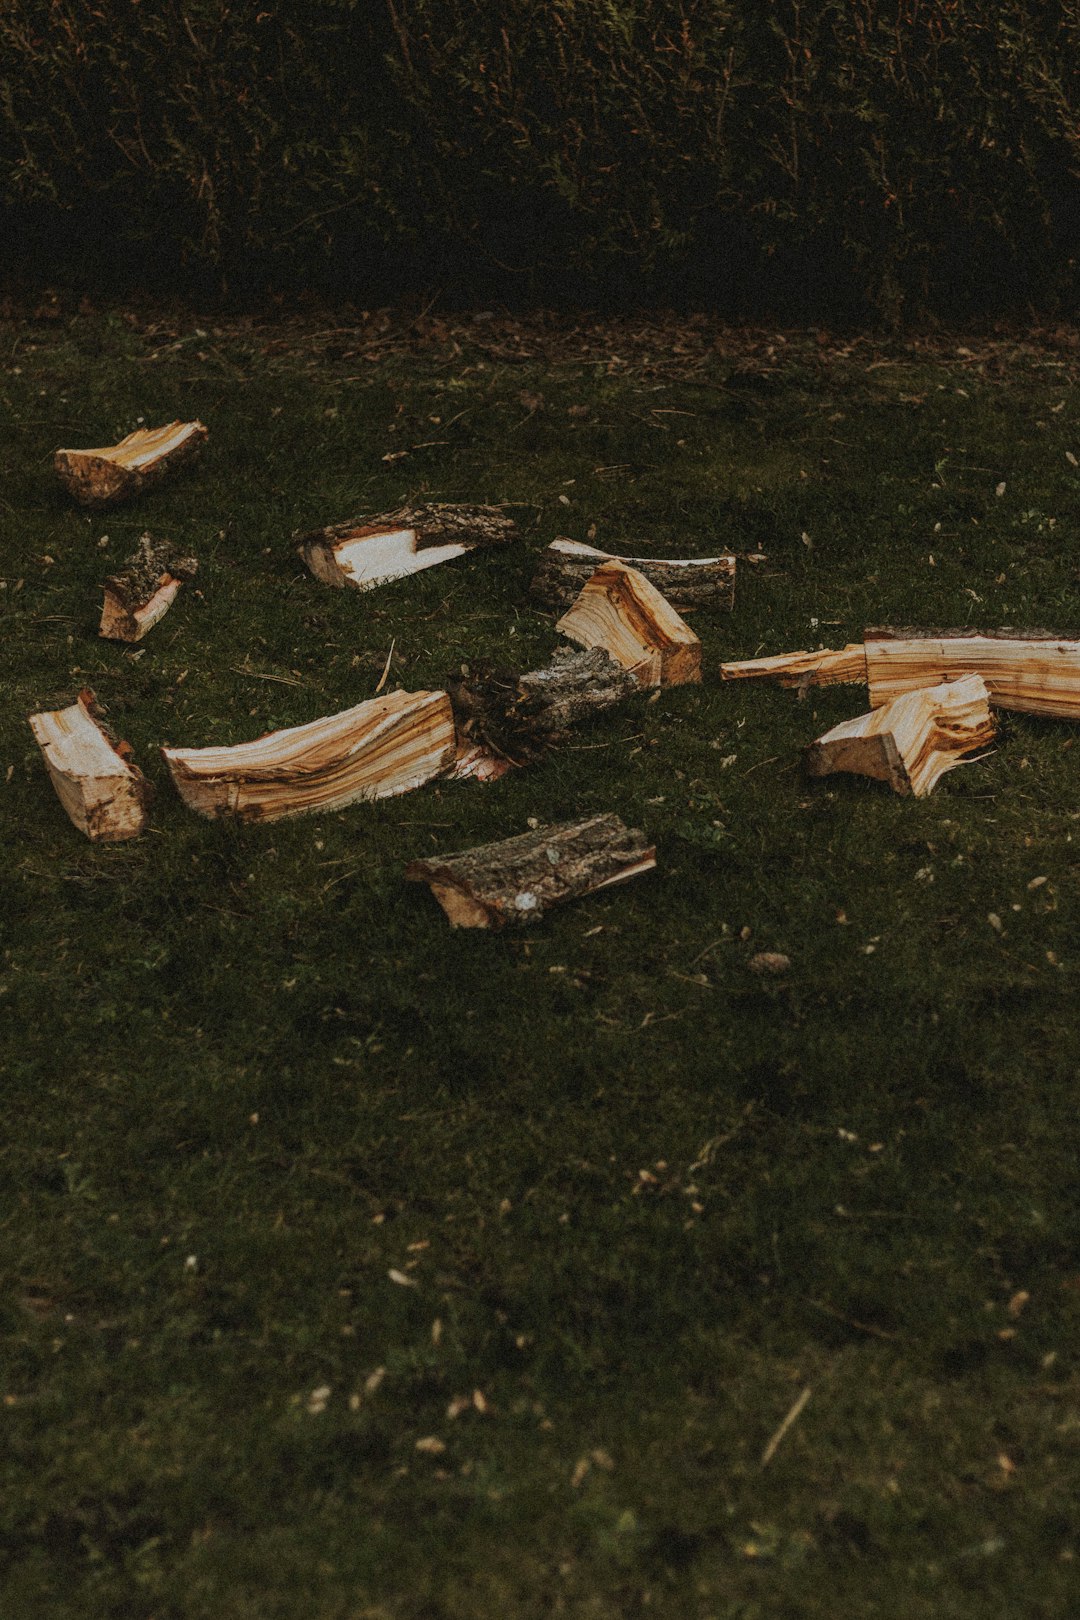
802,669
383,747
911,741
686,582
368,551
518,879
120,471
143,592
620,611
1033,671
516,717
103,792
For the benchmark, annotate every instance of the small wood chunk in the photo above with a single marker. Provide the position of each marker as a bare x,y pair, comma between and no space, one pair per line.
911,741
824,668
516,717
620,611
142,593
369,551
118,472
383,747
518,879
103,792
1032,671
686,582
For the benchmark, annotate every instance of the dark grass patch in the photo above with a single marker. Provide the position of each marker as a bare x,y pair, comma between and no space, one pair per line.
646,1196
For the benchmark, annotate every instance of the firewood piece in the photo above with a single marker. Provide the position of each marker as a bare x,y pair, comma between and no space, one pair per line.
142,593
385,746
516,717
824,668
620,611
118,472
518,879
686,582
368,551
105,795
911,741
1032,671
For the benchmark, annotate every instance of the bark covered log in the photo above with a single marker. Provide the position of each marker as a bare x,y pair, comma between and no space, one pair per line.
518,879
368,551
118,472
516,717
142,592
911,741
103,791
620,611
686,583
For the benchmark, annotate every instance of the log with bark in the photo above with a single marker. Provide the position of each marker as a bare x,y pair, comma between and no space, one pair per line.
118,472
686,582
1033,671
518,879
620,611
368,551
911,741
143,591
515,718
802,669
383,747
103,792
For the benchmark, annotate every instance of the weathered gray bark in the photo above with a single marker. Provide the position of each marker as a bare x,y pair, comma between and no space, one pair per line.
567,566
518,879
139,595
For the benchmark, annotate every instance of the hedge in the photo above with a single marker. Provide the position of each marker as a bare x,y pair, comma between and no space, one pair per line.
884,155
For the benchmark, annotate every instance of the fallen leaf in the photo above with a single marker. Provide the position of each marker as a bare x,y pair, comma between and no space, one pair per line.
769,962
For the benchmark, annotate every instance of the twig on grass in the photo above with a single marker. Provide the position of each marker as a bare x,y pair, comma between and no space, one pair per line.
792,1417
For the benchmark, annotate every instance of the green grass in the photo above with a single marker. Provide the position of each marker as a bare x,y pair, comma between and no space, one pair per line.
644,1197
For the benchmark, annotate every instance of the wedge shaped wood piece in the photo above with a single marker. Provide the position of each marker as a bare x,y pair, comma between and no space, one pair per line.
105,795
911,741
143,591
383,747
686,582
518,879
824,668
120,471
1032,671
620,611
368,551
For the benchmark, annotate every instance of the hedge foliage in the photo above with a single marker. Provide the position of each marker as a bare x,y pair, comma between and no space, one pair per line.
893,154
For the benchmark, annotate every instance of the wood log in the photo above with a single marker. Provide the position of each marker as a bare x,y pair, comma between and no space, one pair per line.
911,741
102,790
369,551
383,747
620,611
118,472
686,582
1033,671
518,879
517,717
802,669
142,593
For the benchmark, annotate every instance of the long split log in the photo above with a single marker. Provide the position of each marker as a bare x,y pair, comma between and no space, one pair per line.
515,718
1032,671
369,551
518,879
104,477
103,791
620,611
143,592
911,741
686,582
383,747
822,668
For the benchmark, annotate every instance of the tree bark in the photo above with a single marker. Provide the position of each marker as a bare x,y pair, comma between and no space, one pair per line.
518,879
105,795
369,551
517,717
105,477
142,593
686,583
620,611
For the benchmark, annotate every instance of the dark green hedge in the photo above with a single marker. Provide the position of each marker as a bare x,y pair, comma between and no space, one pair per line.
805,154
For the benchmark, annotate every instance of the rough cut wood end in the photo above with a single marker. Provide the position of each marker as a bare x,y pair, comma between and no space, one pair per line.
142,593
372,550
118,472
518,879
911,741
686,582
104,793
621,612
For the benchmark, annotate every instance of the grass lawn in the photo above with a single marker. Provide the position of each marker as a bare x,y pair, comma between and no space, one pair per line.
641,1198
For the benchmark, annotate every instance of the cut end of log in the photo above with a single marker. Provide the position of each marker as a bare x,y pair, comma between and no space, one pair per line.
105,795
140,595
369,551
106,476
912,740
518,879
685,582
386,746
621,612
